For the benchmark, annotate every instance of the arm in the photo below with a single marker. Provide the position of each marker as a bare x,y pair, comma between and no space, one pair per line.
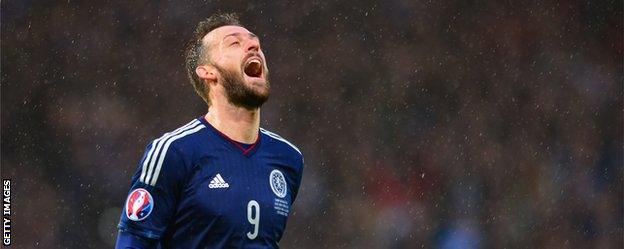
152,199
126,240
299,175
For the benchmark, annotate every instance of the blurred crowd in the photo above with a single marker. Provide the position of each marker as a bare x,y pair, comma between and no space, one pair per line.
424,124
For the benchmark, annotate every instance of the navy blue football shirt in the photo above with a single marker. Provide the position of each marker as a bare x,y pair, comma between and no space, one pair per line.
197,188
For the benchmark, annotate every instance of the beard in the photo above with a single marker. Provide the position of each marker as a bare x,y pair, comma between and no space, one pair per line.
238,93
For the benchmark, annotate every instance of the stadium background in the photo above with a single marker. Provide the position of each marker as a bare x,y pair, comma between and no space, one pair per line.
434,124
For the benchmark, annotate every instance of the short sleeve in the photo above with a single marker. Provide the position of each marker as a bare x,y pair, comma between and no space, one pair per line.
153,196
298,177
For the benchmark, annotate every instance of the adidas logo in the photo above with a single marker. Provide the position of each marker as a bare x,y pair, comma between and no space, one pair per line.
218,182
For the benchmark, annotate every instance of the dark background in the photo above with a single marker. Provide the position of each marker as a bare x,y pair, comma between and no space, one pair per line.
434,124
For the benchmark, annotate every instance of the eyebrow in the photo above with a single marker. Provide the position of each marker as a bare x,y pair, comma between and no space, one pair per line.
251,35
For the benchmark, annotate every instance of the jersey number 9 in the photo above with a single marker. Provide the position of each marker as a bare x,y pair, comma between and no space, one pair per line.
253,208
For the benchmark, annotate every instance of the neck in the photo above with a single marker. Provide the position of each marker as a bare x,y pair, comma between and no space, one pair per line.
237,123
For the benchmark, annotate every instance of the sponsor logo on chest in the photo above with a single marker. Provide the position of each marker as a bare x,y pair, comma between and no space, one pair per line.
218,182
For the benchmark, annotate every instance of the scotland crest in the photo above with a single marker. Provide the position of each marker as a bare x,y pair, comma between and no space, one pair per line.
278,183
139,204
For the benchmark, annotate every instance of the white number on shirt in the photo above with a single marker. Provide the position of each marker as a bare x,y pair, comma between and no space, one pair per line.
253,208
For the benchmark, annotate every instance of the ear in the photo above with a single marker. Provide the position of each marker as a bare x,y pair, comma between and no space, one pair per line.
206,72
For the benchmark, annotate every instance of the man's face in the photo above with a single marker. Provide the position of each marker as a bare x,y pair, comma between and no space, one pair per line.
235,53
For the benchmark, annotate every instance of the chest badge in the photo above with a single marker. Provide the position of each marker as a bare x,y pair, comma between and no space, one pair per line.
278,183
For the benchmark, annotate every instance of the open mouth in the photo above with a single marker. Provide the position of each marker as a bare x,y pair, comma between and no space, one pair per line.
253,68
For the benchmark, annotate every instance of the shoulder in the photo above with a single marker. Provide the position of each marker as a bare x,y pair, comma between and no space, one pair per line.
281,143
170,152
180,137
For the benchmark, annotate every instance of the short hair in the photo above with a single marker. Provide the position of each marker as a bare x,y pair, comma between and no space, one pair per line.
196,52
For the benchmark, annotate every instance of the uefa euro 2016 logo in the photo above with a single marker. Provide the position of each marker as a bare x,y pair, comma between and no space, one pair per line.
278,183
139,204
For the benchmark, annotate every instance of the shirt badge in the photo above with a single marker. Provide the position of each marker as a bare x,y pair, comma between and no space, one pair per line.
139,204
278,183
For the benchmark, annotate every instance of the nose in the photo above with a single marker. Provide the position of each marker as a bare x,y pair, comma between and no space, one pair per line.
253,45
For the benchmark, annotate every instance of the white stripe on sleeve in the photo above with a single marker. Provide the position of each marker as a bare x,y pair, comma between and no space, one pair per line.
273,135
157,143
162,155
